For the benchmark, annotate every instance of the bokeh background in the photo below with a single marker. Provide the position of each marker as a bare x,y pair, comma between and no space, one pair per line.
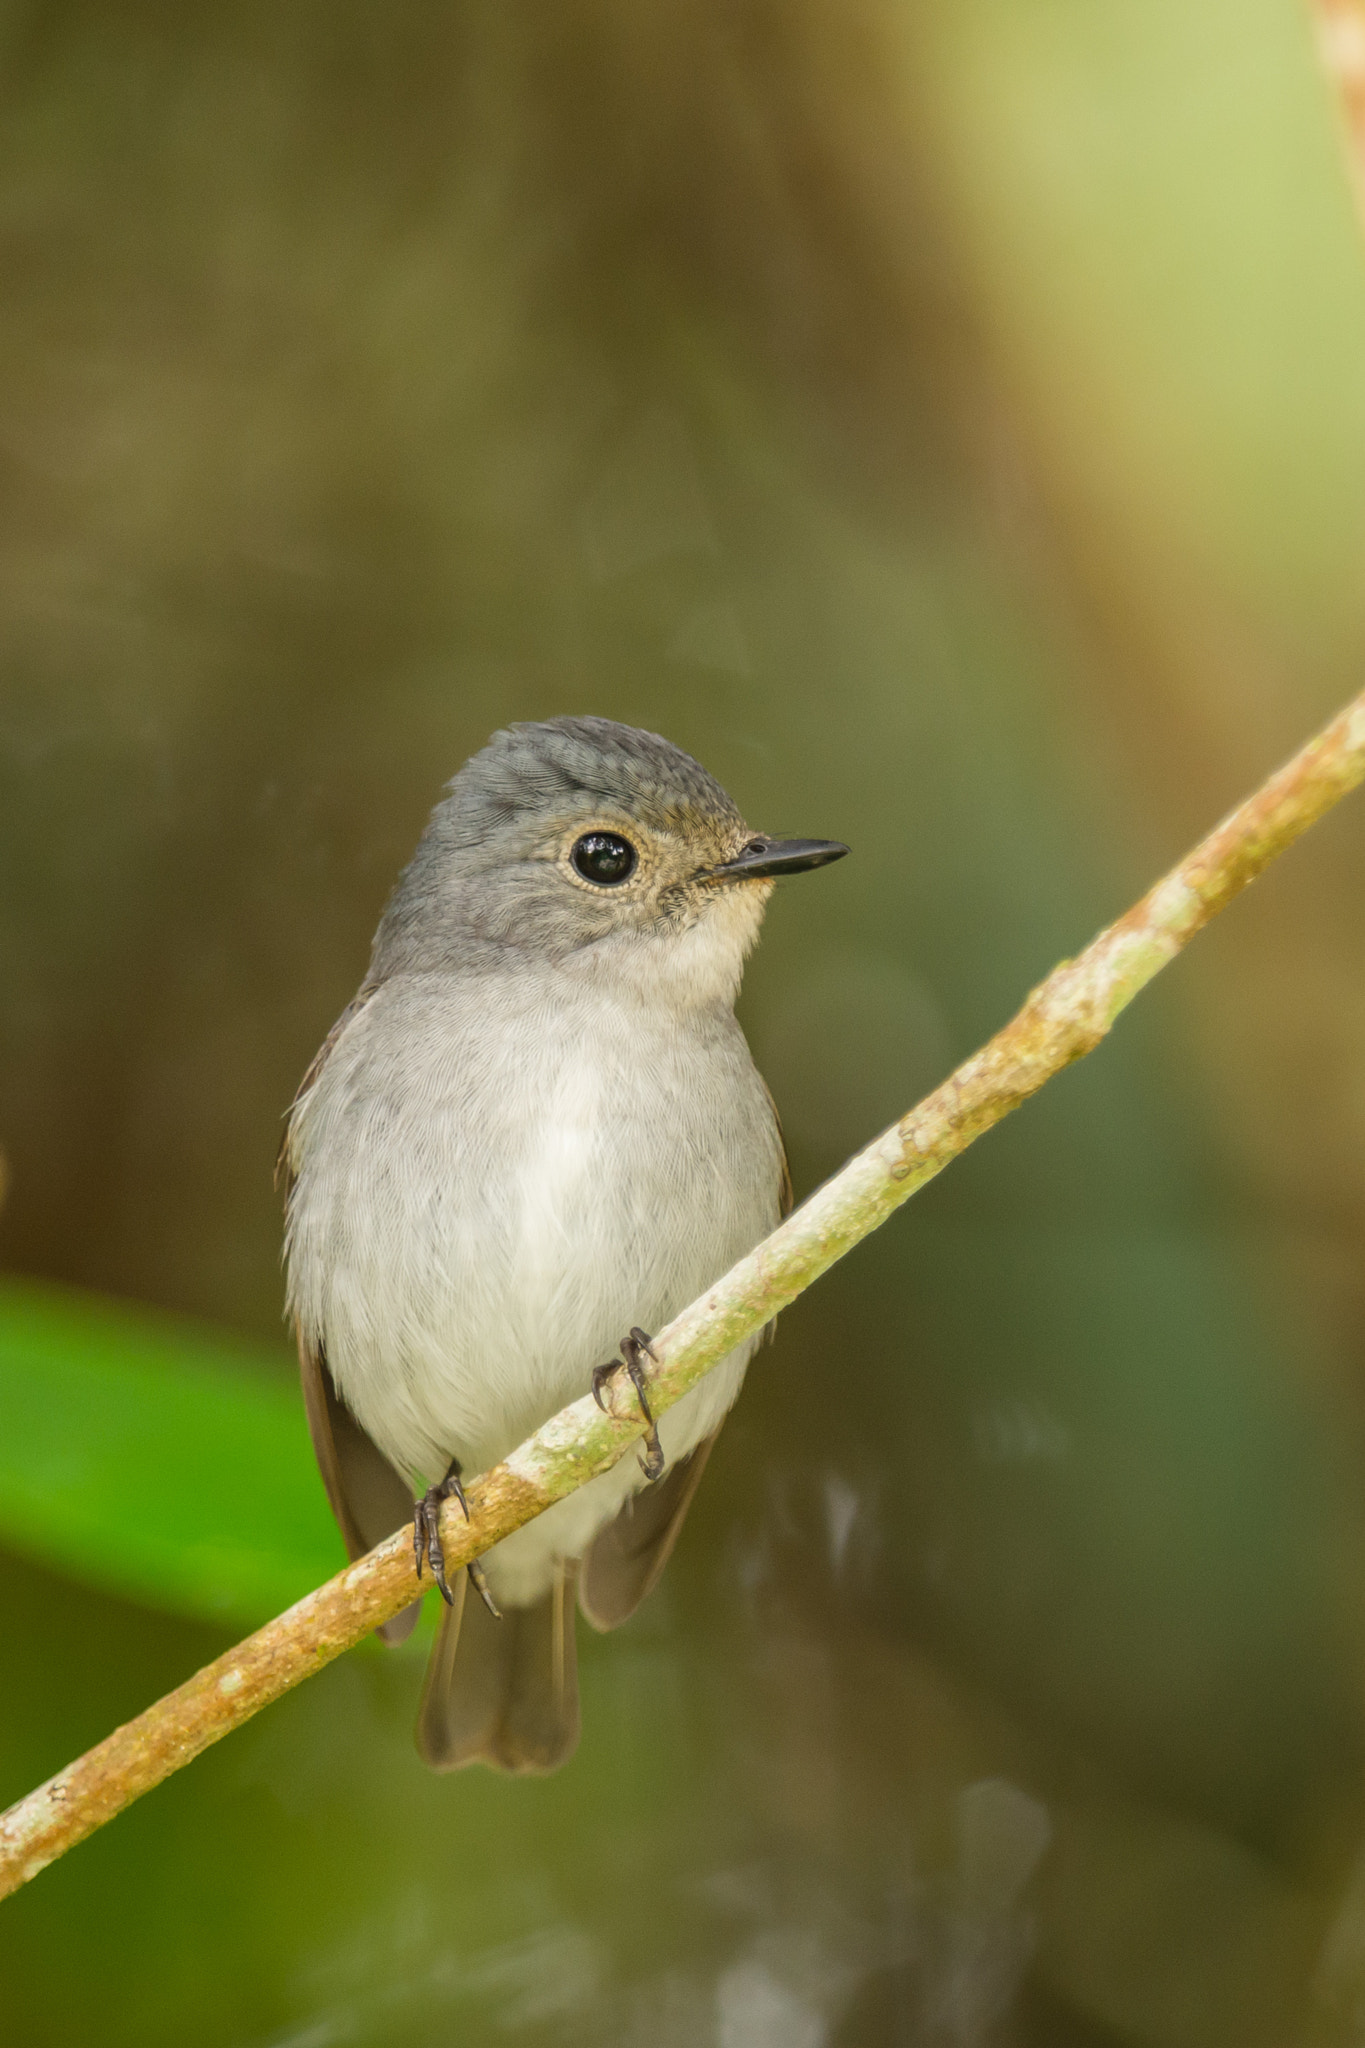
948,422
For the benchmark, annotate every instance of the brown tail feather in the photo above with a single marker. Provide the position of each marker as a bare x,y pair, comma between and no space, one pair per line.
626,1559
503,1693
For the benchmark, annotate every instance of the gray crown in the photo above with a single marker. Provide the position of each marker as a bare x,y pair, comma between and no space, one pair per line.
567,765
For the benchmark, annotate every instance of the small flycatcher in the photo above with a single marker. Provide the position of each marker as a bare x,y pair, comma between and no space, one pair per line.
538,1125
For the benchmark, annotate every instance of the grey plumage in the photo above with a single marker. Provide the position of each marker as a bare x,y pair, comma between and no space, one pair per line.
537,1125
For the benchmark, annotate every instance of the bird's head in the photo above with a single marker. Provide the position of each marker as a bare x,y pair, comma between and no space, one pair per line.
589,842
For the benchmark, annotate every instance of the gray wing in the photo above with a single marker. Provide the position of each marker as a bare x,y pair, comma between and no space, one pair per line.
786,1194
785,1191
284,1162
626,1559
367,1496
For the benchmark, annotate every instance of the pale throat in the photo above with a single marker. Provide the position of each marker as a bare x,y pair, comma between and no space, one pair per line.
699,967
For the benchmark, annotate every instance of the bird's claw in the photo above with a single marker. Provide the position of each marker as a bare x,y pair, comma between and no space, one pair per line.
426,1529
480,1584
632,1347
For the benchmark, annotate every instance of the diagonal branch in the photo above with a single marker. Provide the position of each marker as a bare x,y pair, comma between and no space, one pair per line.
1065,1018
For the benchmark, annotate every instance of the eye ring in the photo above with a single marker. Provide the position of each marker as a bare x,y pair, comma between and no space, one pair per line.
604,858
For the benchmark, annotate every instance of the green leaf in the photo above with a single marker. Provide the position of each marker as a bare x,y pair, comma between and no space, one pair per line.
156,1458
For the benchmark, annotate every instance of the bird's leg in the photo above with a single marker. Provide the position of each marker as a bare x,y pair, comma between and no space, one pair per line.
652,1462
426,1539
426,1526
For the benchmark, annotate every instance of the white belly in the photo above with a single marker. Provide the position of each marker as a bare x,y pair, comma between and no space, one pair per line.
492,1190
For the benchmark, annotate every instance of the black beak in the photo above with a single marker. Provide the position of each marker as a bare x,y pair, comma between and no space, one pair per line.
764,857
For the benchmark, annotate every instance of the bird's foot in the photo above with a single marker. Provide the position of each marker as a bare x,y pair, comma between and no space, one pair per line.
633,1347
426,1528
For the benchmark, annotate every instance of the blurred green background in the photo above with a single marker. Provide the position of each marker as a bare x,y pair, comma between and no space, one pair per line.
947,422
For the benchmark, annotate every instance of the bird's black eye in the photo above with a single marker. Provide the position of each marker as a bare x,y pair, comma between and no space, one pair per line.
604,857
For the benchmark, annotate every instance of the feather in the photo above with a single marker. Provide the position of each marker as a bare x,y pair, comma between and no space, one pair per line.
625,1561
367,1496
503,1692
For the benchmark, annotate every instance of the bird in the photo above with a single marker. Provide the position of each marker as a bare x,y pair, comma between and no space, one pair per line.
537,1124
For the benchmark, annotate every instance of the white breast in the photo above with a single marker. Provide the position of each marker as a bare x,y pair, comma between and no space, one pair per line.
552,1200
495,1182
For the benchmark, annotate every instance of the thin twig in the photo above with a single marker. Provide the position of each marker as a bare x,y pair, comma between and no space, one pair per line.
1065,1018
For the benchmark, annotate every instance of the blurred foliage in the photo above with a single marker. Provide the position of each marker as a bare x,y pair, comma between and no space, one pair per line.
946,421
155,1460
